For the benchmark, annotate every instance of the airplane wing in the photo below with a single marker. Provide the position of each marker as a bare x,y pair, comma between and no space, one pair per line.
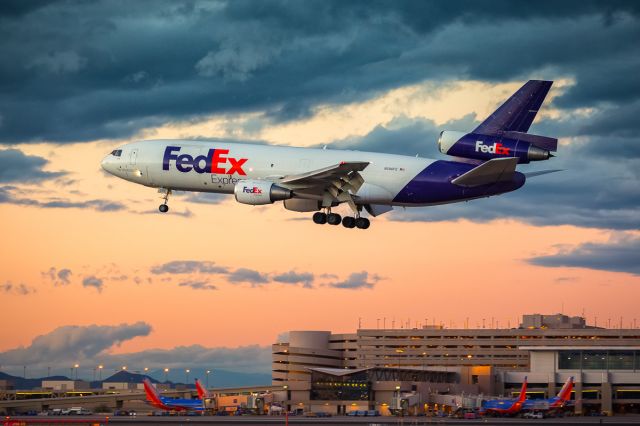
332,183
493,171
518,112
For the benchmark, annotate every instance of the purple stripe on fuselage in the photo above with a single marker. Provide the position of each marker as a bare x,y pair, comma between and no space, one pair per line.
433,185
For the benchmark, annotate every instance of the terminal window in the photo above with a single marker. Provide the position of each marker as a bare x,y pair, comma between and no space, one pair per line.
599,360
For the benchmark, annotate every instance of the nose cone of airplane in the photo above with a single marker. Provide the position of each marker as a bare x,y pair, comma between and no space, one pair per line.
108,165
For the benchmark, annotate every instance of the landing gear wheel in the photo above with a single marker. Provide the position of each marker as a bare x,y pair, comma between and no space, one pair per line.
163,208
333,219
319,218
362,223
349,222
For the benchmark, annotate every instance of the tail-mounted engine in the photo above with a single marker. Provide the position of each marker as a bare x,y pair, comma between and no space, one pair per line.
524,146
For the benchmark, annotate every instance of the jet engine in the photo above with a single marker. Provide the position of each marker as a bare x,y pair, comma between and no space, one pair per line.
258,192
524,146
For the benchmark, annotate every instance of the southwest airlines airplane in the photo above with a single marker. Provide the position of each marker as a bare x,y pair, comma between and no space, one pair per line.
173,404
511,407
558,401
507,407
316,180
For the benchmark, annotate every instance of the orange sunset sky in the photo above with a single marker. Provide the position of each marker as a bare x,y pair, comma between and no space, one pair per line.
83,248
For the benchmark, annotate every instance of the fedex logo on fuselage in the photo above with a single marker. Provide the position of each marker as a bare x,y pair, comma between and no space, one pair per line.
212,163
254,190
496,148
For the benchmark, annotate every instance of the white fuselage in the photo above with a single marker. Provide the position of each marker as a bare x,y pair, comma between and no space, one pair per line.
144,163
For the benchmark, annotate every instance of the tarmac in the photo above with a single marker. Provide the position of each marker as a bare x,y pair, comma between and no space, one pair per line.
294,420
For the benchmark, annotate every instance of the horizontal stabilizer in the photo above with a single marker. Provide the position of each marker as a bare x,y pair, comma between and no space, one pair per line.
541,172
544,142
493,171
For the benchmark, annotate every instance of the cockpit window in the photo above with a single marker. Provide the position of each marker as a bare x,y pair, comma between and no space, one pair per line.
116,152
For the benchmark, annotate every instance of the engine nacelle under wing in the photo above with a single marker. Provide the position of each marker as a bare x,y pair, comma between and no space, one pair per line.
259,192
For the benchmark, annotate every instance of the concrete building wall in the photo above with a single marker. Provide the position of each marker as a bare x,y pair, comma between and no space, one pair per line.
309,339
63,385
543,361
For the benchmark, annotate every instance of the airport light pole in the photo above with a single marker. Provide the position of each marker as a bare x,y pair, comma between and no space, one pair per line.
186,374
76,368
146,371
208,371
166,373
100,367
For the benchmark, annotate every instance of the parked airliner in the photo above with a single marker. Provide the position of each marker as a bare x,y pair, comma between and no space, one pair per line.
558,401
171,404
317,180
507,407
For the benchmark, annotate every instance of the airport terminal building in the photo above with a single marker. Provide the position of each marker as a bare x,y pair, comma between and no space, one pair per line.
605,364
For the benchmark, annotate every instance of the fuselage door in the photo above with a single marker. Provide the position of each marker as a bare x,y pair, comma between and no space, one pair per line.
133,156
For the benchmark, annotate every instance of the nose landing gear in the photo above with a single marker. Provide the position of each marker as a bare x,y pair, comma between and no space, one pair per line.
164,207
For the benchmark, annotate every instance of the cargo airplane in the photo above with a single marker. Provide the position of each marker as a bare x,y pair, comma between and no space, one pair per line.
172,404
317,180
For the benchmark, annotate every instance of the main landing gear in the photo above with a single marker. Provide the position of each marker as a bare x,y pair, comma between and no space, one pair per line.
164,207
321,218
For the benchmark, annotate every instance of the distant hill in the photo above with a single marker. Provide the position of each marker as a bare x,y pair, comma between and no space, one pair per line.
217,378
27,384
128,377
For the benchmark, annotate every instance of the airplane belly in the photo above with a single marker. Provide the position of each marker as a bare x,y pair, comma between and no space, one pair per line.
433,186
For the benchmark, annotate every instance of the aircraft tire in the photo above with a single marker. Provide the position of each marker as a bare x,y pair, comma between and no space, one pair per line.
163,208
319,218
362,223
334,219
349,222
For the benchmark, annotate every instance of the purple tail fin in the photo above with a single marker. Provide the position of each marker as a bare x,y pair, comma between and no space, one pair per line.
518,112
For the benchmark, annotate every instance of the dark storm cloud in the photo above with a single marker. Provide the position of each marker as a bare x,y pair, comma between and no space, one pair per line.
93,281
69,344
8,196
198,285
21,289
205,198
294,277
621,254
357,280
90,346
58,277
74,71
251,276
189,267
406,136
237,276
16,166
597,188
